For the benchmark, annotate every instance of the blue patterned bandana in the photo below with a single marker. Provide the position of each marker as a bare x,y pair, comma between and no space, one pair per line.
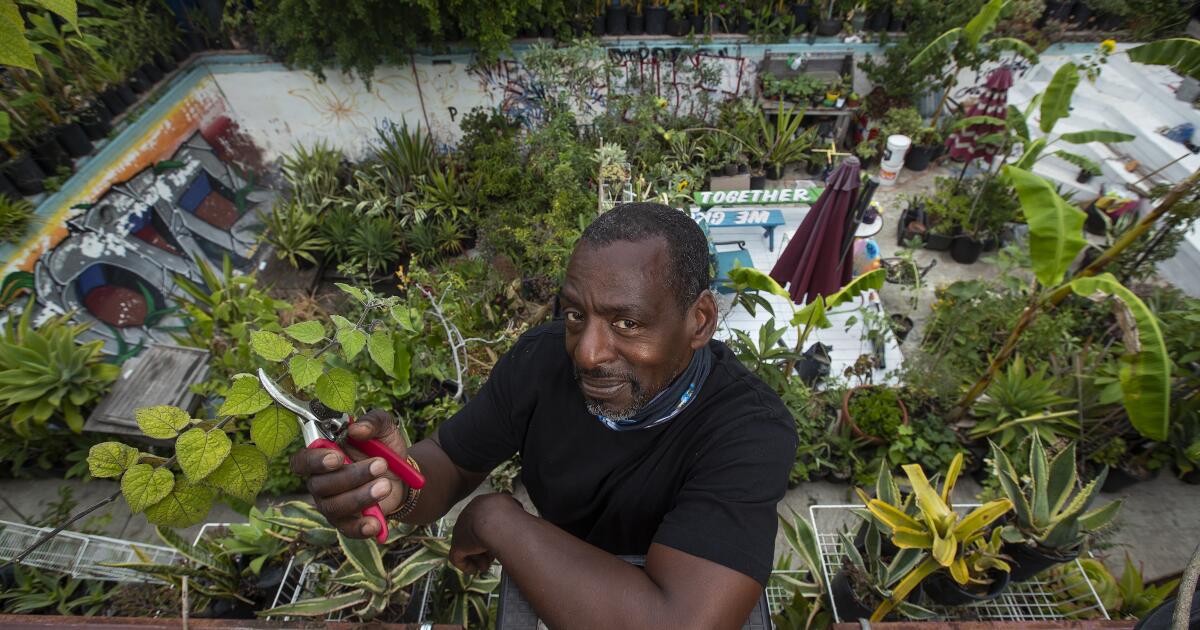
670,401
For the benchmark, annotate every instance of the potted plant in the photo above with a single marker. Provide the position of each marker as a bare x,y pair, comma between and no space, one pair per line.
616,18
20,167
1051,523
678,24
858,17
926,143
598,21
801,14
949,541
830,24
781,141
879,15
866,581
656,18
873,412
637,20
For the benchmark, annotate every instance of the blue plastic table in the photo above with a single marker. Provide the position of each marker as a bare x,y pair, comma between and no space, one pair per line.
768,220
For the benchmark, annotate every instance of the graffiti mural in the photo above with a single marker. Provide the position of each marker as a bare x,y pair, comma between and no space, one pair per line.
116,267
692,80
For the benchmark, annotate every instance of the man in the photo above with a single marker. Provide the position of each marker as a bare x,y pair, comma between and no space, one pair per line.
638,435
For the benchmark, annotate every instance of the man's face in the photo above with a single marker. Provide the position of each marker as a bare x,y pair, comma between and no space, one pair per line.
626,334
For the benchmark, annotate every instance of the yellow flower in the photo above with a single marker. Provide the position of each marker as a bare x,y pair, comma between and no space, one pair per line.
667,136
1108,46
661,102
681,186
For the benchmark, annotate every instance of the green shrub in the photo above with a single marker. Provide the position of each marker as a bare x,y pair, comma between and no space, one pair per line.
876,411
15,217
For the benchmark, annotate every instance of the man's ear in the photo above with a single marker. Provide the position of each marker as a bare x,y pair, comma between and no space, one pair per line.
702,318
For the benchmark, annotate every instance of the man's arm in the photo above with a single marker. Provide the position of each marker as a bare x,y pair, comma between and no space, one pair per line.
342,491
572,584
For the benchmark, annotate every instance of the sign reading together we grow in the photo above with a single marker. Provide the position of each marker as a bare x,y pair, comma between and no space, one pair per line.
709,198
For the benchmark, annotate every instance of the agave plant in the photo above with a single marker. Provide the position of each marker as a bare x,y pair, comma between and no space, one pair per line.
944,536
1050,514
1021,401
45,375
404,152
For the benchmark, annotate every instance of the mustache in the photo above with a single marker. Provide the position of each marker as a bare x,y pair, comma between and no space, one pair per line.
603,374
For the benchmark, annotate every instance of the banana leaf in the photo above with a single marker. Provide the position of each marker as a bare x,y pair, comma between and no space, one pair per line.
1056,104
1181,53
983,22
1078,160
1055,228
937,49
1096,135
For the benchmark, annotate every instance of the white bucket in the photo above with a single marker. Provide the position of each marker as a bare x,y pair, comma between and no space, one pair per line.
893,159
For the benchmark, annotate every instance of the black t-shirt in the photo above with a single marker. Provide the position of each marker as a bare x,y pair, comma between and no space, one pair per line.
705,483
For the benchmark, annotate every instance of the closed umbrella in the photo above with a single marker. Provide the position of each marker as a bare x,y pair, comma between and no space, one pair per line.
813,263
964,144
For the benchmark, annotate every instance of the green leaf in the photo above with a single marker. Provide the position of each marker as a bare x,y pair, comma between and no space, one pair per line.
1181,53
1056,103
110,459
353,292
187,504
245,397
1083,163
1100,518
1033,151
983,22
979,120
382,351
163,422
1095,135
144,485
401,316
273,429
304,369
341,323
352,341
321,606
751,279
64,8
242,474
14,48
1055,228
939,49
336,388
306,332
200,452
1016,121
1015,45
270,346
1145,371
813,314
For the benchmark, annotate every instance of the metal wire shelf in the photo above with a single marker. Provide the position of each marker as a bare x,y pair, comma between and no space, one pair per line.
1032,600
80,555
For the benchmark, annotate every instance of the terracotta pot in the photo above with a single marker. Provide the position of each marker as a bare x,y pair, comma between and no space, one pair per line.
850,420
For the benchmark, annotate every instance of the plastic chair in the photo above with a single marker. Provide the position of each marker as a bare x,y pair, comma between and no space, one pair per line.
721,262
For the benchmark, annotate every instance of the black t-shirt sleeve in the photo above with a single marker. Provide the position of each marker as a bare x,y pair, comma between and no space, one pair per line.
491,427
725,511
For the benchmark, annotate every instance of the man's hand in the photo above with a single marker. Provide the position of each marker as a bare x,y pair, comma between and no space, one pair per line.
467,549
342,491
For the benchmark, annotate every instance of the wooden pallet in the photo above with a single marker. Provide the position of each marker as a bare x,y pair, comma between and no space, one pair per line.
160,375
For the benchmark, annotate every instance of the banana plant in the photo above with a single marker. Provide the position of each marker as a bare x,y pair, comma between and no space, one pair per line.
942,538
1049,513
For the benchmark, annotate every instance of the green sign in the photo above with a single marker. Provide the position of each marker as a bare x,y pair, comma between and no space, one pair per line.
709,198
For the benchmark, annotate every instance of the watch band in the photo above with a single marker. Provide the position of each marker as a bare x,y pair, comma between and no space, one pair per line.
414,495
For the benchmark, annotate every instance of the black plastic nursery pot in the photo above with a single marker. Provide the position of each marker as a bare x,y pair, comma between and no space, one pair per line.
7,188
938,242
637,24
729,170
179,52
113,101
74,139
96,122
165,63
774,172
656,20
901,325
49,154
1028,561
966,249
152,72
1084,177
139,82
800,16
1120,478
616,21
878,21
24,173
1095,222
849,607
758,182
548,32
1082,17
919,157
678,27
942,589
126,93
697,22
829,28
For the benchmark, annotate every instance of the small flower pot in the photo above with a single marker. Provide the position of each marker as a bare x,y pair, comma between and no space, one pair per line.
878,21
829,28
598,25
179,52
49,154
800,16
901,325
616,21
74,139
814,365
96,122
966,249
758,182
813,167
897,24
1120,478
1028,560
139,82
730,170
774,172
165,64
942,589
1096,222
743,169
113,101
637,24
678,27
547,32
151,71
1082,16
194,41
656,20
938,242
7,188
919,157
125,91
849,420
697,24
25,173
887,548
849,607
858,23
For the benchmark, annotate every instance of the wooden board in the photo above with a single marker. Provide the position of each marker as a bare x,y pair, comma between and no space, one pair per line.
160,375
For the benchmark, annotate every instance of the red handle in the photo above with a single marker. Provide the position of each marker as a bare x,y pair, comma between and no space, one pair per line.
371,512
375,448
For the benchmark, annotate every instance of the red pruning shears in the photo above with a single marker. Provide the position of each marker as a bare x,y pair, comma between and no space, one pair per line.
322,428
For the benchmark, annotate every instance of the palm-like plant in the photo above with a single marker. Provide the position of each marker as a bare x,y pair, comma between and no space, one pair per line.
1022,401
292,230
782,142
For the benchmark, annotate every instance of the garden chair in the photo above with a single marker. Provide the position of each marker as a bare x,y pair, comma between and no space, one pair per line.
722,261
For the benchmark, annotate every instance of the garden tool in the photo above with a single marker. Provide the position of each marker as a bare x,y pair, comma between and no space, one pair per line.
322,427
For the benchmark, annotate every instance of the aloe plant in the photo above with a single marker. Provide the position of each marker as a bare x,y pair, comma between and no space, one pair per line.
943,538
1050,514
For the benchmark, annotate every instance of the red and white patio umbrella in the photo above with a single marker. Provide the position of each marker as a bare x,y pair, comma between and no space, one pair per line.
964,144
